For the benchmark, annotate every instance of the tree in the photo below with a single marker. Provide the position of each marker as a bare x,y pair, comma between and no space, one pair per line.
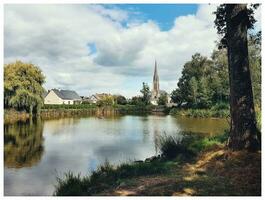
233,21
204,94
219,81
23,87
162,100
254,47
146,94
191,82
176,96
193,90
121,100
106,100
137,100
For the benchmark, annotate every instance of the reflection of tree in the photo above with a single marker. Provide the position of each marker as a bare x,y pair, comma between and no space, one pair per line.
156,136
23,144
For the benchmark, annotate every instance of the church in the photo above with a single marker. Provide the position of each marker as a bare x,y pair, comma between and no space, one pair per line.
156,92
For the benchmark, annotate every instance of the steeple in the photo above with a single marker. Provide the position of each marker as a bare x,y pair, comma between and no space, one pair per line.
155,82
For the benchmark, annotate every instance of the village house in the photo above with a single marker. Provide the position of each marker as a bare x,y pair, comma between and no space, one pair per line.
96,97
55,96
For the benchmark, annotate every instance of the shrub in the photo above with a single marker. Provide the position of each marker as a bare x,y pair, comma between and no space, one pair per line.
188,146
171,147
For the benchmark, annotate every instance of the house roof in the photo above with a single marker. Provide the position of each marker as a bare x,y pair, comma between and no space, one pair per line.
67,94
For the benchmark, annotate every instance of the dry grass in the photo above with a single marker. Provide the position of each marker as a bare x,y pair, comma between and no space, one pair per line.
218,172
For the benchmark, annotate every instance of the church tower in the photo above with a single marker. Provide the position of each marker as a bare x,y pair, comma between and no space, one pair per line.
155,91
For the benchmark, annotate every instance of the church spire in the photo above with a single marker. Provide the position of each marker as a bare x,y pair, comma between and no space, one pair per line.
155,81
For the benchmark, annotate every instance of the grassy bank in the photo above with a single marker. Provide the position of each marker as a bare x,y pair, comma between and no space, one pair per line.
12,116
59,111
193,166
224,113
133,109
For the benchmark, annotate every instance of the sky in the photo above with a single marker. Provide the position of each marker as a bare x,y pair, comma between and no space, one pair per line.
110,48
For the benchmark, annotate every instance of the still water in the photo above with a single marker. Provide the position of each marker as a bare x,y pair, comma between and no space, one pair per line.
37,151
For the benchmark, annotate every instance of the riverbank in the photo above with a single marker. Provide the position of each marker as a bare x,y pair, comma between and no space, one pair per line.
213,113
12,116
201,167
60,111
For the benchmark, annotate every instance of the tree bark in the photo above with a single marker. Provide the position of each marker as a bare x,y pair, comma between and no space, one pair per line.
243,132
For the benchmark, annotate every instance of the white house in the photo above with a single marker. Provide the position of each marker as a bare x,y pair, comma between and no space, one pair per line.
56,96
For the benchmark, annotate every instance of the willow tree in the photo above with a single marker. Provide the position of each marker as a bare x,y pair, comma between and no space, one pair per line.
233,22
23,87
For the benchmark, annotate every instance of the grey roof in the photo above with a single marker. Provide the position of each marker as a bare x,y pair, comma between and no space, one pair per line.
67,94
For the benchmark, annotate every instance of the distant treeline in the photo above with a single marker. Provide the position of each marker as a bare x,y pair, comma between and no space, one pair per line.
205,81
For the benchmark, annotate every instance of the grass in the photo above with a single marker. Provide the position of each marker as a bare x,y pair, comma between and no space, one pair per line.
190,145
174,152
171,147
220,110
213,170
106,176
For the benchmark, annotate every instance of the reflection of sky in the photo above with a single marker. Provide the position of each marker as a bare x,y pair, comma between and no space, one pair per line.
80,145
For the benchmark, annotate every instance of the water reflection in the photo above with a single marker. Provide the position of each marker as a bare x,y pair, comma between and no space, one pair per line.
204,126
81,144
23,144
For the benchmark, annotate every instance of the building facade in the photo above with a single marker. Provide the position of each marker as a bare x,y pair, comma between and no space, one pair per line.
55,96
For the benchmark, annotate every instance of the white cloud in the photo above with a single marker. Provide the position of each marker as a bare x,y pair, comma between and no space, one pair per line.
56,38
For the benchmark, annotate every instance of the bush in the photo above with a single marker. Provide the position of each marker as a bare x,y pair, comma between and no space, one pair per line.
200,112
221,106
170,147
66,106
190,145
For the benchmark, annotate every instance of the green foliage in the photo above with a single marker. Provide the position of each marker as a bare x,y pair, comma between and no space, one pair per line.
205,82
134,109
121,100
162,100
258,116
108,176
106,101
137,100
221,16
71,185
215,111
176,96
254,50
68,106
105,176
23,87
171,147
146,94
188,146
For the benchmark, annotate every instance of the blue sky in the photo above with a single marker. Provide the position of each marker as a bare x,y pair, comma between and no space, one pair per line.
163,14
108,48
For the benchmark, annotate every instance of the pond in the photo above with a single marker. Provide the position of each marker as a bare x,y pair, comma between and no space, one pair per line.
37,151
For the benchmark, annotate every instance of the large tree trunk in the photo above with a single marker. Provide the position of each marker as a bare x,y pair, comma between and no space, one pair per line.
243,132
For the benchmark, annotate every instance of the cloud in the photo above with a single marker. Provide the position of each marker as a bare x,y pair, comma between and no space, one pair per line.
58,38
